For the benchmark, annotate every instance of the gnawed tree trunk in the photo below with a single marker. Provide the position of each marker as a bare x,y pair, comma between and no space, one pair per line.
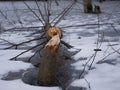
88,8
50,61
47,69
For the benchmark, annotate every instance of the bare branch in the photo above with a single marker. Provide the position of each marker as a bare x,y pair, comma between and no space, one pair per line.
88,83
65,12
108,55
40,11
16,13
113,48
87,24
3,15
33,12
16,45
7,41
115,29
93,60
85,66
28,50
66,44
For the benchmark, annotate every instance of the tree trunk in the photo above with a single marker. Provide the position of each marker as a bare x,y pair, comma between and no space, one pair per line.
47,69
97,9
88,8
50,60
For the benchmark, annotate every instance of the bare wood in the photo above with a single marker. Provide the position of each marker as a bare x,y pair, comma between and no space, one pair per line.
53,44
54,31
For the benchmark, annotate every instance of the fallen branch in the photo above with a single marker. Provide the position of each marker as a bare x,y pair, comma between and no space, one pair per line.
34,28
93,24
16,45
27,50
113,48
115,29
66,44
7,41
108,56
80,76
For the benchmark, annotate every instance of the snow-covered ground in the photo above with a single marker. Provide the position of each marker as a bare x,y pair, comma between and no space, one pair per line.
105,71
7,66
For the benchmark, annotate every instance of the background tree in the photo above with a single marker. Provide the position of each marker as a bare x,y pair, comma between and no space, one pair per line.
88,8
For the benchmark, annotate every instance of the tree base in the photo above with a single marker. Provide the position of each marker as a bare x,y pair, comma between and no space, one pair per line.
48,68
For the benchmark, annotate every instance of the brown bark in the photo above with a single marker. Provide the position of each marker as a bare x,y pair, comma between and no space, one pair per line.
47,69
50,61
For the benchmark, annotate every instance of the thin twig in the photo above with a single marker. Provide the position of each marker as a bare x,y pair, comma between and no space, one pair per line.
66,44
108,55
27,50
85,66
66,11
7,41
113,48
60,13
87,24
16,13
14,45
33,12
115,29
88,83
40,11
93,60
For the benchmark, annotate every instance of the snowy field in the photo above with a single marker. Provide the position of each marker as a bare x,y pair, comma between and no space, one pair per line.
104,65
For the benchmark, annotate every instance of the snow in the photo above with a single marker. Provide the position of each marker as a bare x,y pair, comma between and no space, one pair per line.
80,83
19,85
103,76
6,65
15,66
16,37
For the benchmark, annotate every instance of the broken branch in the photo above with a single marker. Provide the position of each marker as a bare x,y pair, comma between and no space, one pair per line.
27,50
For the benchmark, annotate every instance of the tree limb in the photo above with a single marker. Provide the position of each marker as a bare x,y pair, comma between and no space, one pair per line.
16,45
27,50
66,44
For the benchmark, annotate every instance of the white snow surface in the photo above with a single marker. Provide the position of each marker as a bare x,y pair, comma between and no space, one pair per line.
6,65
102,76
19,85
14,66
